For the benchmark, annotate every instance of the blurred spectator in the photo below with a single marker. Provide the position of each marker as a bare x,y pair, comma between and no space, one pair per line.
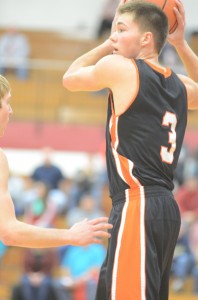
179,175
16,188
196,162
81,185
59,197
36,281
187,197
194,244
80,267
29,193
14,53
3,249
87,208
169,57
40,212
107,18
89,181
184,258
191,165
48,173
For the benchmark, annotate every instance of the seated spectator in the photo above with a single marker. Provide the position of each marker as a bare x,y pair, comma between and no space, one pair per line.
191,165
59,197
183,260
81,265
196,162
29,193
169,57
14,53
193,236
81,185
16,188
36,281
48,172
186,197
80,270
87,208
3,249
40,212
179,172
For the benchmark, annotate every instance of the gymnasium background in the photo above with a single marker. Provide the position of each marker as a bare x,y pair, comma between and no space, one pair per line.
46,115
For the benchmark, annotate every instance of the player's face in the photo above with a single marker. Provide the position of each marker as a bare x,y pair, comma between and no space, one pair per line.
5,112
126,40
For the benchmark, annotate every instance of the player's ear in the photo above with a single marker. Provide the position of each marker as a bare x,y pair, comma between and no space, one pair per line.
147,38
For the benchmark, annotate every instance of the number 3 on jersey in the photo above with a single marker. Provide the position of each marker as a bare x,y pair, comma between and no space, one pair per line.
169,120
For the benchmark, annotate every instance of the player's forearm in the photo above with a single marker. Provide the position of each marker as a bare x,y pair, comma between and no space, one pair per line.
16,233
90,58
189,59
29,236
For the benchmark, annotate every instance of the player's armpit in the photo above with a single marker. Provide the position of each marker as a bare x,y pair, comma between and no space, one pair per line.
192,91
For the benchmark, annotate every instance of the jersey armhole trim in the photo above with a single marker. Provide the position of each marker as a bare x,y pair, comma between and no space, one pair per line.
111,102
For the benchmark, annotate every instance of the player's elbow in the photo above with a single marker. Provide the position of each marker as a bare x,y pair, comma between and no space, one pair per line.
68,83
6,238
8,235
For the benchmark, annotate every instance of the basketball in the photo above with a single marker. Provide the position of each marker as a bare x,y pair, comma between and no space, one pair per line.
167,7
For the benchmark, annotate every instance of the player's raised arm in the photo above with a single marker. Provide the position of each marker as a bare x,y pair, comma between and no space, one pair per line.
177,39
192,91
81,73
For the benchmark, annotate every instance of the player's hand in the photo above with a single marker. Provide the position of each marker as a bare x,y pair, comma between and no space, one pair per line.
90,231
178,36
108,45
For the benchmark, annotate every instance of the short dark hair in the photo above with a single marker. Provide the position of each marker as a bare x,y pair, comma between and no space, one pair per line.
149,17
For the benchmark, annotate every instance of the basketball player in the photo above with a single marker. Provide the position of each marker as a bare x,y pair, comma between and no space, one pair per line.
16,233
146,121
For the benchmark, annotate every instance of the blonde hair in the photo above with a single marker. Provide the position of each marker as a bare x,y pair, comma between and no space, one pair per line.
4,87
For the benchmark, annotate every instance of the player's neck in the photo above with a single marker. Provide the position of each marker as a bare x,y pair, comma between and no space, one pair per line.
148,54
152,59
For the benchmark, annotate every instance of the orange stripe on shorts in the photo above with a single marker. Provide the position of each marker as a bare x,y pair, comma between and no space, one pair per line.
128,281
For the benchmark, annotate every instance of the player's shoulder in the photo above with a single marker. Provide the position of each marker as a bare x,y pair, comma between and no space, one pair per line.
3,158
4,167
116,61
118,65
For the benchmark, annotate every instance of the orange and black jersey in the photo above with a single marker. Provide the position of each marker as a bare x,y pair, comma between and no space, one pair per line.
144,142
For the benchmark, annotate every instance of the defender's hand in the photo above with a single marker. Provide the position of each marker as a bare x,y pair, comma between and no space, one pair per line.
90,231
